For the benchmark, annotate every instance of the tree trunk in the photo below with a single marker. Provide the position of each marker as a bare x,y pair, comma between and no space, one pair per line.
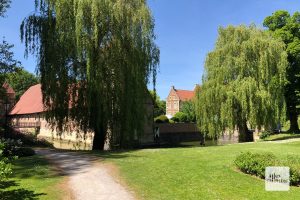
243,132
99,139
294,128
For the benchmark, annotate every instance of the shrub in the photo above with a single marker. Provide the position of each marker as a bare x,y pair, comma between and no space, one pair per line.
5,166
14,148
264,134
161,119
256,163
175,119
24,152
182,117
11,146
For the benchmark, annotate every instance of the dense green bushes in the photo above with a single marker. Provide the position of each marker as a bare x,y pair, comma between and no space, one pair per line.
180,117
161,119
10,150
255,164
264,134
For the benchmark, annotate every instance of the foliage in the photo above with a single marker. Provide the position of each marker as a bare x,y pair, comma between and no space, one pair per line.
175,119
5,166
103,53
7,63
11,147
4,5
243,82
188,107
20,81
181,117
24,152
159,105
287,28
161,119
264,135
256,163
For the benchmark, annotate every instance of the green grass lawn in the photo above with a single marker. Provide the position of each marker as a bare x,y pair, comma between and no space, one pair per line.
32,179
198,173
282,136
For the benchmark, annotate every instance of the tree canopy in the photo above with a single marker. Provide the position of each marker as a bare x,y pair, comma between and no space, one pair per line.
4,5
243,82
159,105
287,28
188,108
20,81
100,52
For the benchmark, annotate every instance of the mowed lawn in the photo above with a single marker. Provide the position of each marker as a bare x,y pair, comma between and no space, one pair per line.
198,173
33,178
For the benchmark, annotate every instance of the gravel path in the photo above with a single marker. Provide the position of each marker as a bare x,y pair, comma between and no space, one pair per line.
88,179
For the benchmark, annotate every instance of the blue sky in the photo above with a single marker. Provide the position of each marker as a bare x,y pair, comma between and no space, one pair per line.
186,31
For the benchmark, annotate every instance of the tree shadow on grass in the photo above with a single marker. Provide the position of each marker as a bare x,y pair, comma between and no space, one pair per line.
16,193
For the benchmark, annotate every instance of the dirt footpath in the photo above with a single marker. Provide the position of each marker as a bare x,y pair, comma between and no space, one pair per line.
87,179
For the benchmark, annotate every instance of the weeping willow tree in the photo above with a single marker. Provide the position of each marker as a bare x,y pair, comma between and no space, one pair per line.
95,58
243,83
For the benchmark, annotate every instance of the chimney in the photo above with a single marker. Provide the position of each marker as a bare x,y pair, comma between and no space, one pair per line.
172,87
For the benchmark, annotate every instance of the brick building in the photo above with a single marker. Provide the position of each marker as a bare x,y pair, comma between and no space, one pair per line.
175,99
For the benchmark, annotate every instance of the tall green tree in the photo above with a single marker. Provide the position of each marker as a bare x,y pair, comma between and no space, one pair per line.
20,81
287,27
188,107
159,105
101,53
243,82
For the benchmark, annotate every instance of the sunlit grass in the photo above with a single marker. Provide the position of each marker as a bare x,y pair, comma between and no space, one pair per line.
198,173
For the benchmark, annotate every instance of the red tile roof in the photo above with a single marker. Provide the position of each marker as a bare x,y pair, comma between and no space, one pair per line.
185,95
8,89
30,102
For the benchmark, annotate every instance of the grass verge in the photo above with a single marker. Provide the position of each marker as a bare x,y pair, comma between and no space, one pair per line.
33,178
282,136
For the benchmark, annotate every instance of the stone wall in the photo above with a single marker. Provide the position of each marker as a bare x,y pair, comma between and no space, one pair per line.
188,132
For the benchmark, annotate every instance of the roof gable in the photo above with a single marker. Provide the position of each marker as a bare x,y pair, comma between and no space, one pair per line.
185,95
30,102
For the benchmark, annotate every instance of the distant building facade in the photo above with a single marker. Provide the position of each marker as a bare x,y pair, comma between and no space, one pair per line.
175,99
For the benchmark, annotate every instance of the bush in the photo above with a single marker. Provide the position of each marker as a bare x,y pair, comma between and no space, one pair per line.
161,119
256,163
14,148
182,117
24,152
264,134
5,166
11,146
175,119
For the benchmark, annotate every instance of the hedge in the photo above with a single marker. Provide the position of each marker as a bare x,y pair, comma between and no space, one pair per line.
255,164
